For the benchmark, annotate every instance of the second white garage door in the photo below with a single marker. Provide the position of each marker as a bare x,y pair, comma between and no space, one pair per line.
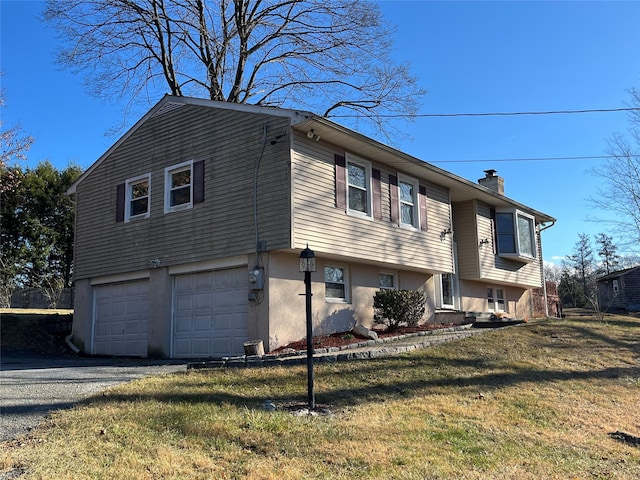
210,313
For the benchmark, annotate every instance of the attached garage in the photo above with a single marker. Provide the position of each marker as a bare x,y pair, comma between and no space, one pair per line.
121,319
210,313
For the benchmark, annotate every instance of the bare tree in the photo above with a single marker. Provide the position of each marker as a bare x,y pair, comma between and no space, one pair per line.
620,192
13,147
329,56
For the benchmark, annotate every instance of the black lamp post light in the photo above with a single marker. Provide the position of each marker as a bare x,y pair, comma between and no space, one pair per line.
308,265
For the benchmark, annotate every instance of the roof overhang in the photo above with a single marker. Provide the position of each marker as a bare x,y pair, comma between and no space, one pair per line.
460,189
169,103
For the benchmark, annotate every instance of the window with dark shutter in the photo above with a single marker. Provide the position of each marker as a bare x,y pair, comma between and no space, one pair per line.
120,202
393,193
377,193
422,202
198,182
341,181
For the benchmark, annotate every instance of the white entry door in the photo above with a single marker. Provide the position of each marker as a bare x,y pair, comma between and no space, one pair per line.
121,319
210,313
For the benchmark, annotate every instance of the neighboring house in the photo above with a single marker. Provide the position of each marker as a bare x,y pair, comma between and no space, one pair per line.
189,230
620,290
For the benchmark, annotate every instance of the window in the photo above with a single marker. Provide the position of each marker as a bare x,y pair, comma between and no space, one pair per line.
358,187
515,234
495,299
615,287
138,194
178,187
446,286
408,196
335,283
387,281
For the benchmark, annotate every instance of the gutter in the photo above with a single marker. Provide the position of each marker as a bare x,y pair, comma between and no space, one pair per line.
544,281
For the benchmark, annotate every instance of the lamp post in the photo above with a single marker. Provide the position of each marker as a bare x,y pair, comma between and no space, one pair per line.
308,265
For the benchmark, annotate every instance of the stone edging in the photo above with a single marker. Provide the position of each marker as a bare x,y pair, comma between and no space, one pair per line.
367,349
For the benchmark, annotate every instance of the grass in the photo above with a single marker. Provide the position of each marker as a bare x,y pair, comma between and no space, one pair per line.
547,399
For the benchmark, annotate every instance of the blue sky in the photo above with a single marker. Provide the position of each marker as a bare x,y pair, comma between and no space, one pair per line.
472,57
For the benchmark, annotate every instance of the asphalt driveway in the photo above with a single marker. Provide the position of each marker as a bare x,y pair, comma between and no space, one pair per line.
33,385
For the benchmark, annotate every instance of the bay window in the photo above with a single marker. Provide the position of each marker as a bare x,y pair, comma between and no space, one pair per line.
515,235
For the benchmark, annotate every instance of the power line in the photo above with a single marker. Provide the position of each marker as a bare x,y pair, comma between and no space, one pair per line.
496,114
534,159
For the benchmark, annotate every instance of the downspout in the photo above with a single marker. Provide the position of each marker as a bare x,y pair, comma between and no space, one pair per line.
72,199
255,188
544,282
70,344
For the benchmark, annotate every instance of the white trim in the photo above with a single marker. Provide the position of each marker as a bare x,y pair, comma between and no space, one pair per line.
352,159
218,264
168,171
415,187
92,339
295,117
127,197
391,274
440,290
120,277
495,289
517,255
345,274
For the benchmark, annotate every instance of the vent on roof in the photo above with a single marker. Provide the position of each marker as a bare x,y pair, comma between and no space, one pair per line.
168,107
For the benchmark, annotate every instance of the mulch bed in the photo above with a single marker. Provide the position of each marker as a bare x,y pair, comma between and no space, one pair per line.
347,338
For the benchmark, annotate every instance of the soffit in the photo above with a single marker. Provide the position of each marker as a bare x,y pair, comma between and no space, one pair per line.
460,189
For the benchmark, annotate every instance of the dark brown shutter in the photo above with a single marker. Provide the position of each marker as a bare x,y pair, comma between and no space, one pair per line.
422,202
494,230
341,181
377,194
120,203
198,182
393,193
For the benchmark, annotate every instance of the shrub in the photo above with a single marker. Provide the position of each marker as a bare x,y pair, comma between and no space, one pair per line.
395,307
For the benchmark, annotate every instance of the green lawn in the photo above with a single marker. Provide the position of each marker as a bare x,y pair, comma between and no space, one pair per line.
547,399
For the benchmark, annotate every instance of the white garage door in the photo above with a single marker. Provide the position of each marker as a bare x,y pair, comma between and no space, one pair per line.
210,313
121,319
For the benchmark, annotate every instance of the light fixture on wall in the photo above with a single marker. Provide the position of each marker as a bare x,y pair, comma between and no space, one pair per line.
311,134
154,262
445,232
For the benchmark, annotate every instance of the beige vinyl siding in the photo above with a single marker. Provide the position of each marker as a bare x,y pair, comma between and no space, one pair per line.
464,227
229,143
495,268
330,230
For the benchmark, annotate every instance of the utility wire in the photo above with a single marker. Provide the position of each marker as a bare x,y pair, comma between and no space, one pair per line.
535,159
495,114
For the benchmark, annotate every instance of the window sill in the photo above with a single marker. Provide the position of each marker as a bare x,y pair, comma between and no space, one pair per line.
178,208
336,300
137,217
355,213
409,228
517,258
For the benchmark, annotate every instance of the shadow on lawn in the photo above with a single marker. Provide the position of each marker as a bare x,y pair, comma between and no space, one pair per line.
411,377
407,375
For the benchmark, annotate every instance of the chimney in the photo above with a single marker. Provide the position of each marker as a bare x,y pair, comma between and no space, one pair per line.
492,181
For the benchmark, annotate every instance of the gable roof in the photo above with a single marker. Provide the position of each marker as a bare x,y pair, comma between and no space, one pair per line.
460,189
619,273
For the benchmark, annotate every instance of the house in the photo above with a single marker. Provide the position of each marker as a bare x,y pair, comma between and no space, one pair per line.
620,290
189,230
